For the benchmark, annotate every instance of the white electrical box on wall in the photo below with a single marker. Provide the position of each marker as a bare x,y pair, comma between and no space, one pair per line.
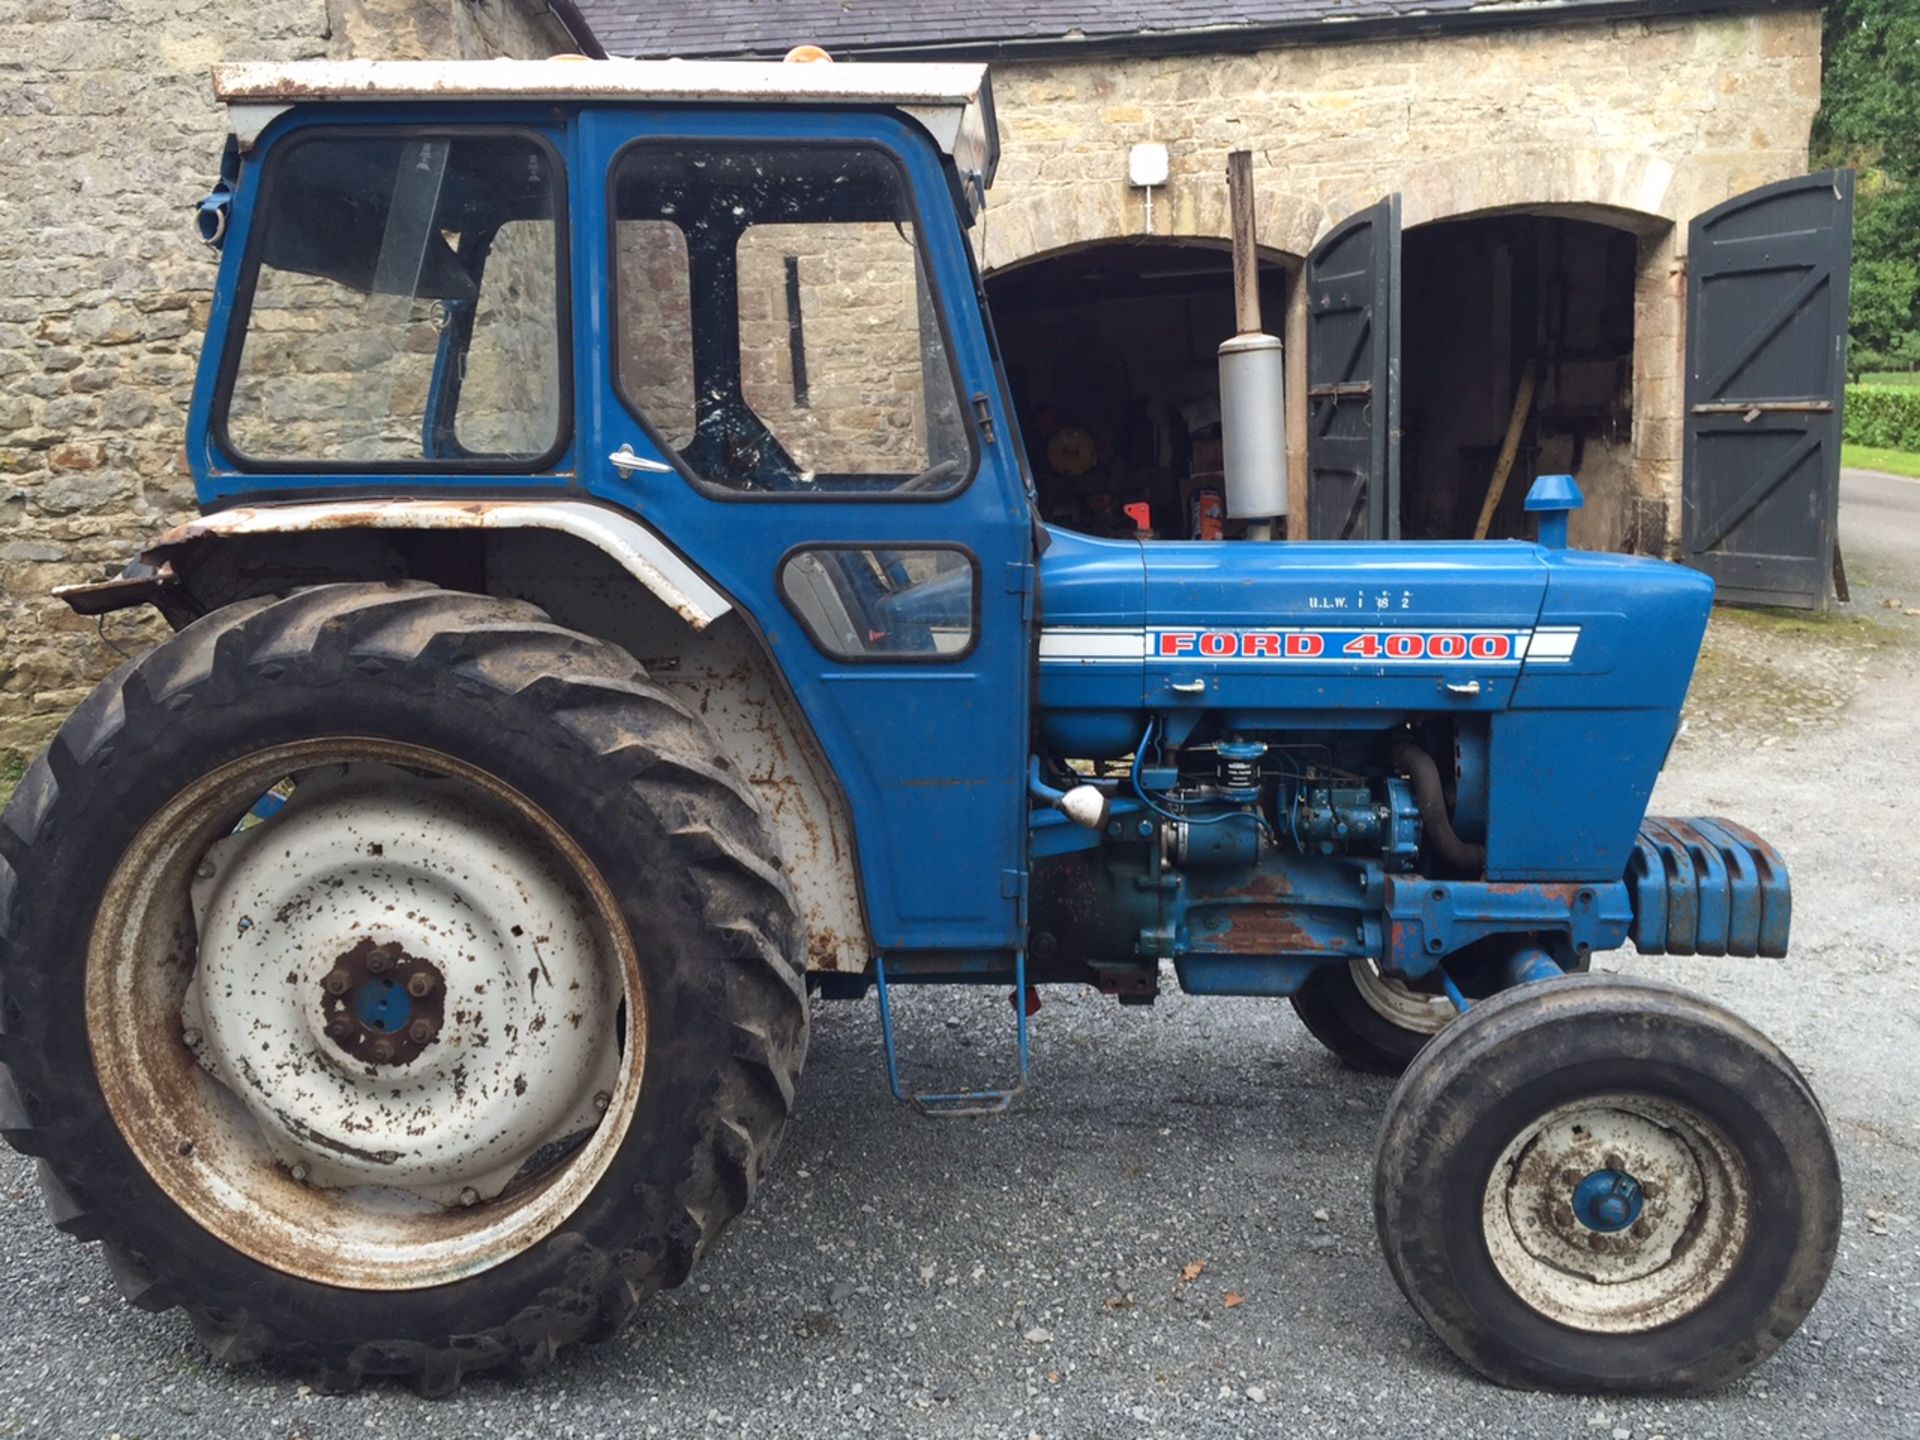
1147,164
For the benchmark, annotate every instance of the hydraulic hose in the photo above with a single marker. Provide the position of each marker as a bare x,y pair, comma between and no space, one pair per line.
1454,852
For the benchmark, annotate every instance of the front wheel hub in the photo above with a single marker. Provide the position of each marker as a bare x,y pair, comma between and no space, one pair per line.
1618,1213
1608,1201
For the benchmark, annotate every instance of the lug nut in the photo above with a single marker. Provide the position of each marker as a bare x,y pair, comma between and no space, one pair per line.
380,1052
420,1031
337,982
204,870
379,962
339,1027
469,1197
299,1173
601,1100
420,985
192,1038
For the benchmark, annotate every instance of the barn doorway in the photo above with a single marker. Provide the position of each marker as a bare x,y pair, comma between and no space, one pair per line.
1487,303
1110,354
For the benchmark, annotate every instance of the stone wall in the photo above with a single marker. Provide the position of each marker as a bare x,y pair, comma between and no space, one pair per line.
108,135
1650,118
1636,123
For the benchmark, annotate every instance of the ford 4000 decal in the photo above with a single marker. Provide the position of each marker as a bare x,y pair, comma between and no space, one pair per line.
1088,645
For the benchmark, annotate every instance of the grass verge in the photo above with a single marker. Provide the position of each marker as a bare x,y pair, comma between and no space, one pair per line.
12,767
1890,462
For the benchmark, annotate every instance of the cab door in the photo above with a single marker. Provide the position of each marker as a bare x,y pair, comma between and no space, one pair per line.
794,389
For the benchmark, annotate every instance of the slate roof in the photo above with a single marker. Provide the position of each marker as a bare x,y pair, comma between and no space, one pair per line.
768,28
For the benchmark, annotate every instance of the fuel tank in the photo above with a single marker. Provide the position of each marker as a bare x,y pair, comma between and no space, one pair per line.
1572,664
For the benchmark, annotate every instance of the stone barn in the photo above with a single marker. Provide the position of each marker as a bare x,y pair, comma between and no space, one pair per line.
1468,213
1535,167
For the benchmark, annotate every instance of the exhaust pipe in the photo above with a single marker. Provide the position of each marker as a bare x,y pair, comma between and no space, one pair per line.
1253,432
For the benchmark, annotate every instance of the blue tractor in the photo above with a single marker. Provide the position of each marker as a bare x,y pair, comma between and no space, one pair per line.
619,610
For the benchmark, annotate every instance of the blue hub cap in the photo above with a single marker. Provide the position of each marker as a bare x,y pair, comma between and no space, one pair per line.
382,1005
1607,1201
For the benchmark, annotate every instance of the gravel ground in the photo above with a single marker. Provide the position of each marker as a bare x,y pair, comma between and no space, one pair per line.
1025,1275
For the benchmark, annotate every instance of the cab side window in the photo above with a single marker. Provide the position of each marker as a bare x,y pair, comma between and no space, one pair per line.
776,326
857,603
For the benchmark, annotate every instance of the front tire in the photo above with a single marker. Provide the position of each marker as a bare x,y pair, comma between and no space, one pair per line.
1605,1184
421,1171
1369,1021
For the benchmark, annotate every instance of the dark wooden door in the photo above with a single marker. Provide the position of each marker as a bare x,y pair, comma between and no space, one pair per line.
1766,372
1353,378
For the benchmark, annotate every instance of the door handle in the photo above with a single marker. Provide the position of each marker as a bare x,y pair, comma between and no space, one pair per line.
1463,688
627,462
1187,687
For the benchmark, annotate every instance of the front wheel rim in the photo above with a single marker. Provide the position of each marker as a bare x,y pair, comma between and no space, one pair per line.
1617,1214
420,1123
1398,1003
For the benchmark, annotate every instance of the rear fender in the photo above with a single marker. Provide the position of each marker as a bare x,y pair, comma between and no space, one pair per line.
634,547
592,569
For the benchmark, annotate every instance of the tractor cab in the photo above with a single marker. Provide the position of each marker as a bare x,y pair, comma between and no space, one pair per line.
730,307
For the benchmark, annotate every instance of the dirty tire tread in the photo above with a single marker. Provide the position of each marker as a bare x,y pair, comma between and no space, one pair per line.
592,704
1482,1079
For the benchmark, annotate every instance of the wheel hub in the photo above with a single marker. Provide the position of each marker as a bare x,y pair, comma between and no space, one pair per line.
1616,1213
1608,1201
382,1005
399,989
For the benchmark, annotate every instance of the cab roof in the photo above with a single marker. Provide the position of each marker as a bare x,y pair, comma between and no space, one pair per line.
952,102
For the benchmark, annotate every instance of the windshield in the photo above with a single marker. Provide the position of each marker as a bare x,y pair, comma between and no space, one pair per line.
403,305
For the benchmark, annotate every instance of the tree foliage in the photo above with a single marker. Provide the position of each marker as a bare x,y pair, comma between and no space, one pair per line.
1870,119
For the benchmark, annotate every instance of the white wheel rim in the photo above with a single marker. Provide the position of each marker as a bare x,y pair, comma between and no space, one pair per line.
1399,1003
287,1118
1653,1259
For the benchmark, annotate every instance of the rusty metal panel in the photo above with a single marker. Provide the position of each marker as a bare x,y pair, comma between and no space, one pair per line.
635,547
952,101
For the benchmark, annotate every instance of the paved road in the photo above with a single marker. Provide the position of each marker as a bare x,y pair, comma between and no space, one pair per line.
1880,528
1020,1276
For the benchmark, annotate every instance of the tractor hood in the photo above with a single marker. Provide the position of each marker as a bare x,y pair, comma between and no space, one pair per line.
1348,630
1355,635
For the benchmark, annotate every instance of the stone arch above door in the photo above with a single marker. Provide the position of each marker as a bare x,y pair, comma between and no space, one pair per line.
1634,190
1044,222
1631,190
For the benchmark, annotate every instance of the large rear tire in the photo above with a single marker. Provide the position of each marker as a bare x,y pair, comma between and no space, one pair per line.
514,881
1600,1184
